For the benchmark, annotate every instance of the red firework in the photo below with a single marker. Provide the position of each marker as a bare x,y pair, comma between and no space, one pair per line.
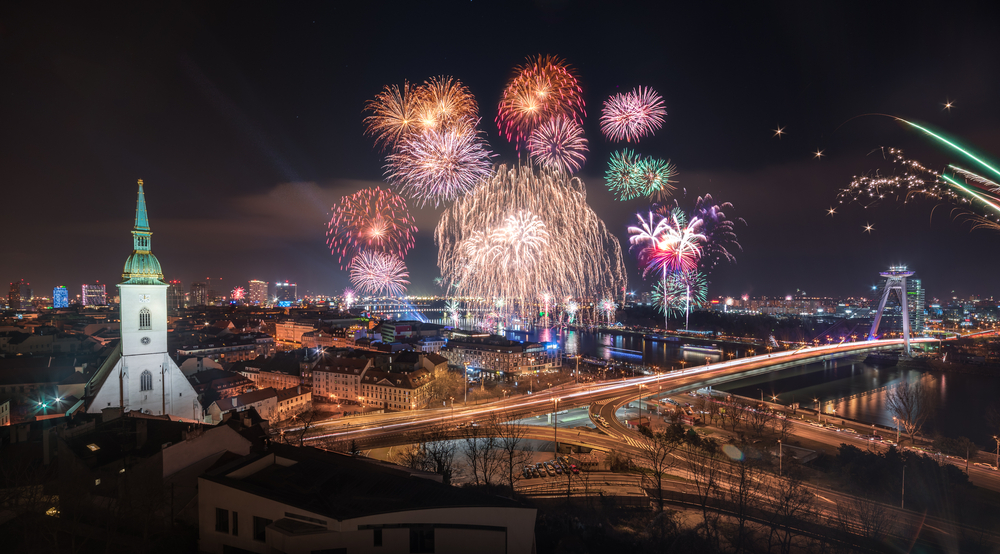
373,219
541,89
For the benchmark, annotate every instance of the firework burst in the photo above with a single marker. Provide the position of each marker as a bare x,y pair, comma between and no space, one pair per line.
349,298
370,219
394,114
650,177
439,165
543,88
238,293
378,274
720,232
608,308
618,178
524,231
632,115
911,180
559,144
445,102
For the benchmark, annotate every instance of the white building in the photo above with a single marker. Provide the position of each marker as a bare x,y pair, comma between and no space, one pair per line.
139,375
303,500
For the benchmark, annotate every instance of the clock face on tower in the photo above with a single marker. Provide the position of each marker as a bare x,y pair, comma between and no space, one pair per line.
143,298
144,340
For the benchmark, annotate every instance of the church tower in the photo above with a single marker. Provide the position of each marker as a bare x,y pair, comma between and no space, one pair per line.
140,375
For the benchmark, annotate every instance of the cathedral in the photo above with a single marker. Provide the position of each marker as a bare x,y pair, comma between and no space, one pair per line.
139,375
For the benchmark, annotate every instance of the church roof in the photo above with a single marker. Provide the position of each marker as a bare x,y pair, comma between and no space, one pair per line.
142,267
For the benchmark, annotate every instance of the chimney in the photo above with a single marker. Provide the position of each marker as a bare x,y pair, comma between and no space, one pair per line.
298,389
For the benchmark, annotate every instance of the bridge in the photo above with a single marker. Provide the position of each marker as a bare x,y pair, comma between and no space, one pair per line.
400,426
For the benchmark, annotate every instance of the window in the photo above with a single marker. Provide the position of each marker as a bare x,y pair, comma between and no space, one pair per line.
146,381
236,524
377,536
259,528
221,520
144,319
422,539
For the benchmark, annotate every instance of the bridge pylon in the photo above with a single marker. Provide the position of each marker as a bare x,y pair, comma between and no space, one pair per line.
895,280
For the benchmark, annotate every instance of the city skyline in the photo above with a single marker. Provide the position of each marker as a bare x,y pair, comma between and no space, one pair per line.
254,197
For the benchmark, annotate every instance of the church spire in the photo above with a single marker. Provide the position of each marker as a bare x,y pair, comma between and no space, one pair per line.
142,267
141,221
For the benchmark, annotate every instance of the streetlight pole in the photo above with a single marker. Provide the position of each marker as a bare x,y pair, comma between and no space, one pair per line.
761,396
555,427
998,450
452,398
779,457
897,429
902,492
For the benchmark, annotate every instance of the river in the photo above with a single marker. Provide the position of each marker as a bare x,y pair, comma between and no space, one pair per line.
962,399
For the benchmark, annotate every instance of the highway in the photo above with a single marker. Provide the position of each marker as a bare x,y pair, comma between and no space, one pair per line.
400,424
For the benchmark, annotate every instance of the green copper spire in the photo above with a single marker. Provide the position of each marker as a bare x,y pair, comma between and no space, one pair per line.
142,267
141,220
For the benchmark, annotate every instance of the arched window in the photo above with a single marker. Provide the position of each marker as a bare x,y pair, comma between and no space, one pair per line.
144,319
146,381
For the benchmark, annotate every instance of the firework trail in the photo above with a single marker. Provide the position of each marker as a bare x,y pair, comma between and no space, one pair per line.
632,115
439,164
571,308
559,144
378,274
683,289
541,89
349,298
370,219
453,310
911,180
534,220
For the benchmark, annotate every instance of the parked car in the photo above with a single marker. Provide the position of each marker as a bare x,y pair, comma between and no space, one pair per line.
575,469
550,469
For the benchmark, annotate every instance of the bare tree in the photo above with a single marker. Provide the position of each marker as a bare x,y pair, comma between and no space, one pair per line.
482,454
757,419
993,419
788,502
710,408
656,454
732,413
432,451
742,490
782,426
866,517
911,404
512,445
705,468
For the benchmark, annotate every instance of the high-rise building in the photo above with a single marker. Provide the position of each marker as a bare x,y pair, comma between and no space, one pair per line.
915,300
286,294
258,292
141,376
199,294
94,295
175,297
19,297
60,297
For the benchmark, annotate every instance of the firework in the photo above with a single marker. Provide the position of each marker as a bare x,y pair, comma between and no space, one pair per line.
571,308
439,165
349,297
618,178
395,113
445,102
543,88
632,115
720,232
608,308
911,180
378,274
370,219
675,243
667,299
559,144
524,231
238,293
650,177
452,310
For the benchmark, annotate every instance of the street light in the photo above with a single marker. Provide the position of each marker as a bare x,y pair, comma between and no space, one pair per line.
761,396
641,386
819,412
555,427
897,429
998,450
452,398
779,457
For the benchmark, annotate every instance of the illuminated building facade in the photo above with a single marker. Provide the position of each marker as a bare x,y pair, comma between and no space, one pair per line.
175,297
286,294
199,294
94,295
19,297
60,297
258,292
916,301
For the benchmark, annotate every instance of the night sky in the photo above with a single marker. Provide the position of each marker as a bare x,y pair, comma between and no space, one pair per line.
245,121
